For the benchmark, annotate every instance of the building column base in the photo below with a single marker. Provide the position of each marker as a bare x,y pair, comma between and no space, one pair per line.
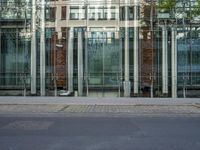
127,88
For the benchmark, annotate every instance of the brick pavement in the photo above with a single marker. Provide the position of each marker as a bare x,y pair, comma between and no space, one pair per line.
132,109
98,101
98,105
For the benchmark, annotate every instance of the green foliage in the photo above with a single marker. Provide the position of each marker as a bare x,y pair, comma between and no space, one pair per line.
166,4
196,10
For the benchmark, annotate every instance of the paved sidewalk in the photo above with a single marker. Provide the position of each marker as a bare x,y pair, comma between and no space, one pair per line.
90,105
98,109
98,101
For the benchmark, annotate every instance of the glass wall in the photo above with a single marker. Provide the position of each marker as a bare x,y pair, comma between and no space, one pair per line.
15,58
102,25
104,58
15,9
188,57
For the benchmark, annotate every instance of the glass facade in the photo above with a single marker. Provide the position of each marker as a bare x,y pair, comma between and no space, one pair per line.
100,48
104,57
15,58
15,9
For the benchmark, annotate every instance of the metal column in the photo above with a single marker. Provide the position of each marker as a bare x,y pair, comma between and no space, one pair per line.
42,50
80,64
16,52
136,66
70,60
33,49
86,62
174,63
1,78
86,49
164,61
127,84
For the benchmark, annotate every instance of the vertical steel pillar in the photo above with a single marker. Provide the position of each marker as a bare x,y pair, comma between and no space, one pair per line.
86,61
136,66
120,61
33,49
0,60
174,63
164,61
42,50
70,59
127,84
86,49
16,52
80,64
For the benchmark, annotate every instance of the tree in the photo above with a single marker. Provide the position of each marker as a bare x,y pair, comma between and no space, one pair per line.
166,4
196,10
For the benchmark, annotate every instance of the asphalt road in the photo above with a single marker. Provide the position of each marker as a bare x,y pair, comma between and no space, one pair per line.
100,133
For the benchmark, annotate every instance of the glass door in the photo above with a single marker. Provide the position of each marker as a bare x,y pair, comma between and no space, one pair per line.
104,62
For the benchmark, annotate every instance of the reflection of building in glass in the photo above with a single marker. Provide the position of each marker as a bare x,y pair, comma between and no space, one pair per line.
99,48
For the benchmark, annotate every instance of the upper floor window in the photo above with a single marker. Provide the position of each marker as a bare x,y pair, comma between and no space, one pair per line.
102,13
130,13
74,13
77,13
63,12
51,14
92,13
113,13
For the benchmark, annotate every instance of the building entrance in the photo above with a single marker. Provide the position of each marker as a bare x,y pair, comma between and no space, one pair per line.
104,63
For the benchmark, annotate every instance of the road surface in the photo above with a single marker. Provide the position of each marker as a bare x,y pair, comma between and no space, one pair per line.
105,132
